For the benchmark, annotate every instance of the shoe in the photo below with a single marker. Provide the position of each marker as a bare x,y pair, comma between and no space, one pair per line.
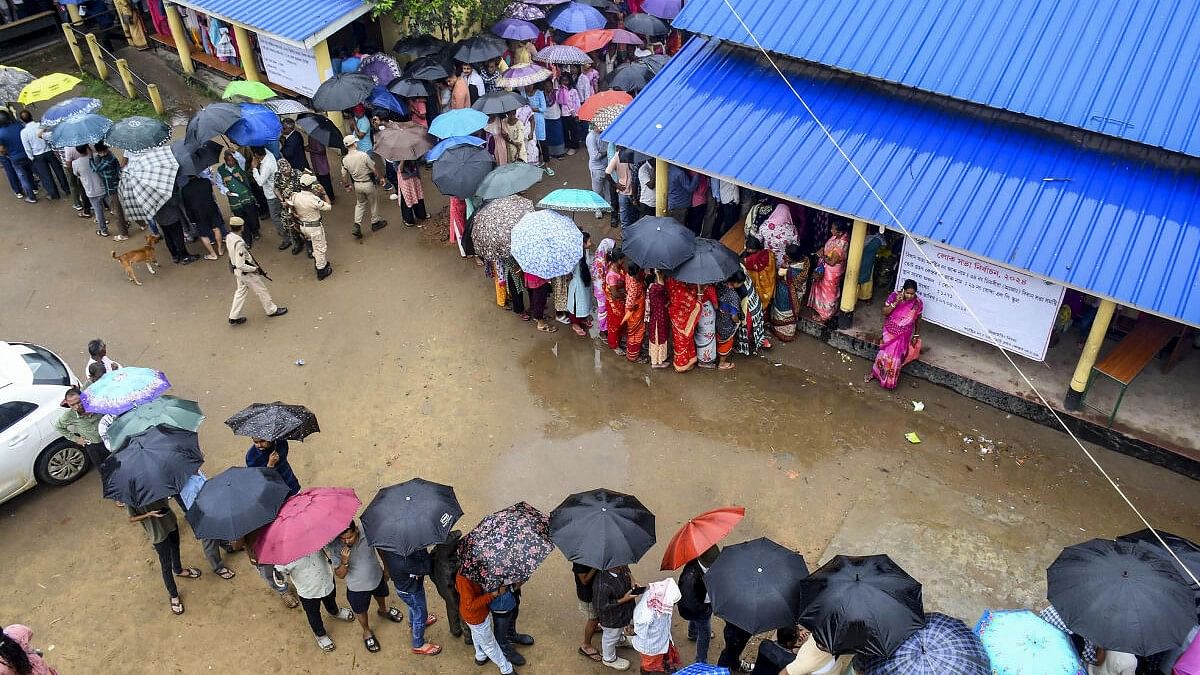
599,215
523,639
77,207
480,663
394,196
514,658
428,649
617,664
285,244
280,311
467,639
289,599
30,201
324,272
297,247
238,321
378,225
189,259
357,231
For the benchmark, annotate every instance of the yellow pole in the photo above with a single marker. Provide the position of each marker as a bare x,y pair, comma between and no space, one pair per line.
661,177
1091,350
126,77
74,15
246,49
73,43
155,98
858,236
183,44
94,48
324,72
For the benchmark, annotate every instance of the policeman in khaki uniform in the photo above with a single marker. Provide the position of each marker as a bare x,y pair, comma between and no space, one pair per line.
358,176
248,275
308,209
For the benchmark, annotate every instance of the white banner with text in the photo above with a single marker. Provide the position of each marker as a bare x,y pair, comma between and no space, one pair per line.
289,66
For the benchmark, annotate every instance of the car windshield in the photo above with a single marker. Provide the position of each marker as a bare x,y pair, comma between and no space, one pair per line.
46,367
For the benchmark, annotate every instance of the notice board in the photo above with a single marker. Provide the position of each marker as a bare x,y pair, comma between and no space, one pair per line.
289,66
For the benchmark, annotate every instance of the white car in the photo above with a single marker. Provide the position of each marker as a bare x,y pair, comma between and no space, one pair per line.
33,380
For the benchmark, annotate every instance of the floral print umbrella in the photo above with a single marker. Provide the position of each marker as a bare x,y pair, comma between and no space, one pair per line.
494,224
547,244
506,547
123,389
520,10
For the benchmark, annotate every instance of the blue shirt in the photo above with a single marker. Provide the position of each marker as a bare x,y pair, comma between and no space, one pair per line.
10,137
680,188
364,127
256,457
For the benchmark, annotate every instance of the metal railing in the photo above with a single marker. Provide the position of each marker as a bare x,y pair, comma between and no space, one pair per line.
109,68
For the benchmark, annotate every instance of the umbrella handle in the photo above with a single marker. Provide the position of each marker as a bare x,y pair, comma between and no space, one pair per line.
462,252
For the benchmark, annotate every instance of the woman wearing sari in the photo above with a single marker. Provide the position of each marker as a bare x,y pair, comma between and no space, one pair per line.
658,327
900,343
706,328
760,267
830,268
684,308
729,319
777,232
635,312
599,271
789,293
752,330
614,297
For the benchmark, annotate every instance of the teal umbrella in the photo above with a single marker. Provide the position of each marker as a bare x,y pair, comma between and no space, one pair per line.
169,410
575,200
509,180
1019,642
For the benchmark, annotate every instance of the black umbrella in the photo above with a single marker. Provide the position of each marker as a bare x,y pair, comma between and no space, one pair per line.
152,465
211,121
321,128
630,77
342,91
427,68
499,102
1122,595
602,529
237,501
274,421
863,604
408,88
655,62
711,262
460,170
412,515
195,159
658,243
755,585
1186,549
644,24
479,49
419,45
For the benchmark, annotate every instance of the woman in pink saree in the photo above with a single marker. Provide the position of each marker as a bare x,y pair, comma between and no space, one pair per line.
777,232
900,343
831,268
599,270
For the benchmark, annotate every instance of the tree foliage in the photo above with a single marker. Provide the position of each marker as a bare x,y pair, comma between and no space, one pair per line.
447,19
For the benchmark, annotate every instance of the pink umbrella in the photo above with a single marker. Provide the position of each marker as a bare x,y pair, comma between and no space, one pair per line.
1189,663
307,521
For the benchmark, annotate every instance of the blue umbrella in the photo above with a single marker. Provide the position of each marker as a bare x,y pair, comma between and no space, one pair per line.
565,199
259,126
124,389
1019,642
453,142
945,646
547,244
576,17
69,109
702,669
515,29
83,130
382,98
463,122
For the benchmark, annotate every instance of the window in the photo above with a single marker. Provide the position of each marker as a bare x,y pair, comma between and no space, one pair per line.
13,411
46,367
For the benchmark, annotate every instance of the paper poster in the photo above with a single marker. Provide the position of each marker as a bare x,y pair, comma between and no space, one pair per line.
289,66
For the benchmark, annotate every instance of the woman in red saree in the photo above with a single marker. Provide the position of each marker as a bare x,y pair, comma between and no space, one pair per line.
900,343
684,308
614,298
830,269
635,312
658,327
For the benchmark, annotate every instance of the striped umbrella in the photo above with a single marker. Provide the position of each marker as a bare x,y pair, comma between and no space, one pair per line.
147,182
563,55
285,106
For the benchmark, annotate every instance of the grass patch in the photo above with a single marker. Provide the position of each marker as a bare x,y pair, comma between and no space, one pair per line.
116,106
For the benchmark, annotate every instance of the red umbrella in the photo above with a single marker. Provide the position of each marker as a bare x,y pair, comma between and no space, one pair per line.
598,38
700,534
307,521
602,100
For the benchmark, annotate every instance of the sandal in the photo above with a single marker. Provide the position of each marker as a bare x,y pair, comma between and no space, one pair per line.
593,654
393,614
176,606
225,573
189,573
547,328
325,643
372,644
525,317
428,649
579,331
345,614
725,366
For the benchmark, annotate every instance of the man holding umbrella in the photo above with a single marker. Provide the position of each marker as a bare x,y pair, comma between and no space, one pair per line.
408,573
358,176
695,606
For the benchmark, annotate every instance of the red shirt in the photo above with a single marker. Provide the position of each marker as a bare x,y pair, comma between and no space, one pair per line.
472,600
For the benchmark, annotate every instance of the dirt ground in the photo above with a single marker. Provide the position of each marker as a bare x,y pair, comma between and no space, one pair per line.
414,371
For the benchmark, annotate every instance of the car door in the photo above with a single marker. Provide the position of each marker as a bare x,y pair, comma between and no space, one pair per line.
20,441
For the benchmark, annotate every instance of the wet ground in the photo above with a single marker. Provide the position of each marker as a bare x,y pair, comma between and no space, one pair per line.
413,371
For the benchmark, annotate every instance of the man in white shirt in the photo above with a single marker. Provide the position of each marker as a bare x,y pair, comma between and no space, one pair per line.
1113,663
263,165
312,576
46,164
646,196
98,353
729,206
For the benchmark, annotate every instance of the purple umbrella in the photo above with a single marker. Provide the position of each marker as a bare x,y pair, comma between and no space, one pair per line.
576,17
381,67
521,10
515,29
663,9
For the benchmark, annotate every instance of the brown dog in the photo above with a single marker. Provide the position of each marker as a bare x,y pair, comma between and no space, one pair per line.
144,254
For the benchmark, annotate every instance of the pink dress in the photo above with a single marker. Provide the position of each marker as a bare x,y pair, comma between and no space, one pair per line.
22,634
599,271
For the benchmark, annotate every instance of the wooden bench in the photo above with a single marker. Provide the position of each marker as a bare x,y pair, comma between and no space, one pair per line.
1150,335
31,24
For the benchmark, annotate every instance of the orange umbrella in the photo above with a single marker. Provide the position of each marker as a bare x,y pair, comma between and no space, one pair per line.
598,38
700,534
602,100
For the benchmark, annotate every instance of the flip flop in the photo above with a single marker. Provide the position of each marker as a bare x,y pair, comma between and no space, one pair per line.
189,573
593,655
393,614
176,606
225,573
372,644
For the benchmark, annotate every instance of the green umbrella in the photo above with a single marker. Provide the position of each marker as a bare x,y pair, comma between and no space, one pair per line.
255,90
176,412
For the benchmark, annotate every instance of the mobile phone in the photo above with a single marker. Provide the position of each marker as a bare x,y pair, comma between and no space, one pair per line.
637,590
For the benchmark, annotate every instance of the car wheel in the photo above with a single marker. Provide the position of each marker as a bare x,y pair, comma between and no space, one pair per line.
60,464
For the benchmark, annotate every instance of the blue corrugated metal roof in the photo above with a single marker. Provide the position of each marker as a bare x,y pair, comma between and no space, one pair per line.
297,21
1126,69
1108,226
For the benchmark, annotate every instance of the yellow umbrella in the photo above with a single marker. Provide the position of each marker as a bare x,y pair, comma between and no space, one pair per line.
47,87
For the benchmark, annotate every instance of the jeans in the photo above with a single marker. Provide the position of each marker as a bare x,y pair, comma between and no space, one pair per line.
276,211
628,209
701,629
98,212
486,646
50,171
312,611
418,612
609,640
24,170
168,559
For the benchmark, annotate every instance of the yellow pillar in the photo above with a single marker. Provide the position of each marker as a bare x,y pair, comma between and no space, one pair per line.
183,43
74,15
155,98
858,236
661,178
73,43
94,48
1091,350
126,77
324,72
246,49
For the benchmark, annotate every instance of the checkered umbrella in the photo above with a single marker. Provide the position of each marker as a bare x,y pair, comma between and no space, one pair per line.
945,646
147,182
285,106
702,669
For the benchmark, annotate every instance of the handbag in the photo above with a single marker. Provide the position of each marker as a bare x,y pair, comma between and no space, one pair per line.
914,351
